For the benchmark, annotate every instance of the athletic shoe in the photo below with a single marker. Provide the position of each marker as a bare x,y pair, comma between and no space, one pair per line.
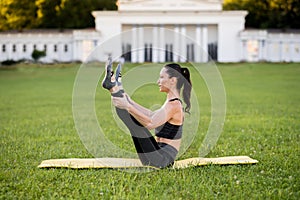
118,74
107,82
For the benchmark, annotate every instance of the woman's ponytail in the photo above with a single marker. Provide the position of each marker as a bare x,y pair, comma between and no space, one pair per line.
187,88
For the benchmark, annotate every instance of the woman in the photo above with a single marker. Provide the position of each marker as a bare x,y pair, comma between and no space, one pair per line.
167,121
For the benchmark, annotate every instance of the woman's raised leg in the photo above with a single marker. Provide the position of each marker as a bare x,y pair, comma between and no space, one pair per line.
149,151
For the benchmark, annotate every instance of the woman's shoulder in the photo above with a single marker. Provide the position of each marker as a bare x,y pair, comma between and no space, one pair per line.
176,112
175,100
174,104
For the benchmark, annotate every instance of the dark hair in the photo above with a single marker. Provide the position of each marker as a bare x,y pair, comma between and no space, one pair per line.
183,79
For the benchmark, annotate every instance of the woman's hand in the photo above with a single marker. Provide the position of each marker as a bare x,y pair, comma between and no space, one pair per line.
128,98
121,102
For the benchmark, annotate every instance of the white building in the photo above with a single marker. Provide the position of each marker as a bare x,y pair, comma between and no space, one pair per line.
271,46
66,46
160,24
158,31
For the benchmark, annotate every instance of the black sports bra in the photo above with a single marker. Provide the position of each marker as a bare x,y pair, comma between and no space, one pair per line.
168,130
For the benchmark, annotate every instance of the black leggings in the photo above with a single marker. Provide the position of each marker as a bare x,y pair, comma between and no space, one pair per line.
150,152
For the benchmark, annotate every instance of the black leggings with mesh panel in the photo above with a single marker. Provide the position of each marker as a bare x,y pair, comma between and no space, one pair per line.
150,152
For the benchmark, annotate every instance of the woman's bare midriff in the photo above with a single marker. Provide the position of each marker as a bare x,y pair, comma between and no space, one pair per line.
173,143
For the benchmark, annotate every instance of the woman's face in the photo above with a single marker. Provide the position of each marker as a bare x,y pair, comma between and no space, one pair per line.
164,81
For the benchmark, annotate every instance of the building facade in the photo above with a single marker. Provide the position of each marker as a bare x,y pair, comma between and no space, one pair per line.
187,28
66,46
158,31
271,46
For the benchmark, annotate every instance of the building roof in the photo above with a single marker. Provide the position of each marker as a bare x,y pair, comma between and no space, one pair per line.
169,5
37,31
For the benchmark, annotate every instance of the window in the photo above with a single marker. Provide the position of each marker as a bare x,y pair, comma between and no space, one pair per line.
169,53
34,47
66,48
213,51
252,49
24,48
95,43
3,48
126,51
14,48
55,48
148,53
190,52
45,47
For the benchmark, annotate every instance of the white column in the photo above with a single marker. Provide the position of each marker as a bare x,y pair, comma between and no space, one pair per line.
75,43
263,45
286,51
134,40
244,50
155,47
176,49
289,54
292,48
259,50
9,51
183,52
204,44
292,51
262,50
198,48
78,50
267,44
16,56
162,44
271,51
2,55
280,51
141,44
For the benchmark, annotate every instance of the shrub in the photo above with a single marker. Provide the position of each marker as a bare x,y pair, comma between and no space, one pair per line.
9,62
36,54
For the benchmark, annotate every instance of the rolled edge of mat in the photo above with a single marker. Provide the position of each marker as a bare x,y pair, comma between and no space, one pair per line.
119,163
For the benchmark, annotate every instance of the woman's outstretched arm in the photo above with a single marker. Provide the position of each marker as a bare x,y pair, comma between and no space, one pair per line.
142,109
157,118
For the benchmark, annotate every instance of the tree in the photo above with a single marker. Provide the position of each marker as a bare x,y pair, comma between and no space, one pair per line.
283,14
79,12
29,14
17,15
48,13
287,13
70,13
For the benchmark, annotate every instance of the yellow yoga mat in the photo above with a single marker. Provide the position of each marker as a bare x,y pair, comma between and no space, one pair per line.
119,163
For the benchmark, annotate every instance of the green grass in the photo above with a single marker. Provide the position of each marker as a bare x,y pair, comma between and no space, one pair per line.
262,121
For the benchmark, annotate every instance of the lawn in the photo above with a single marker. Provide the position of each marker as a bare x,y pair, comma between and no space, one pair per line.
262,121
